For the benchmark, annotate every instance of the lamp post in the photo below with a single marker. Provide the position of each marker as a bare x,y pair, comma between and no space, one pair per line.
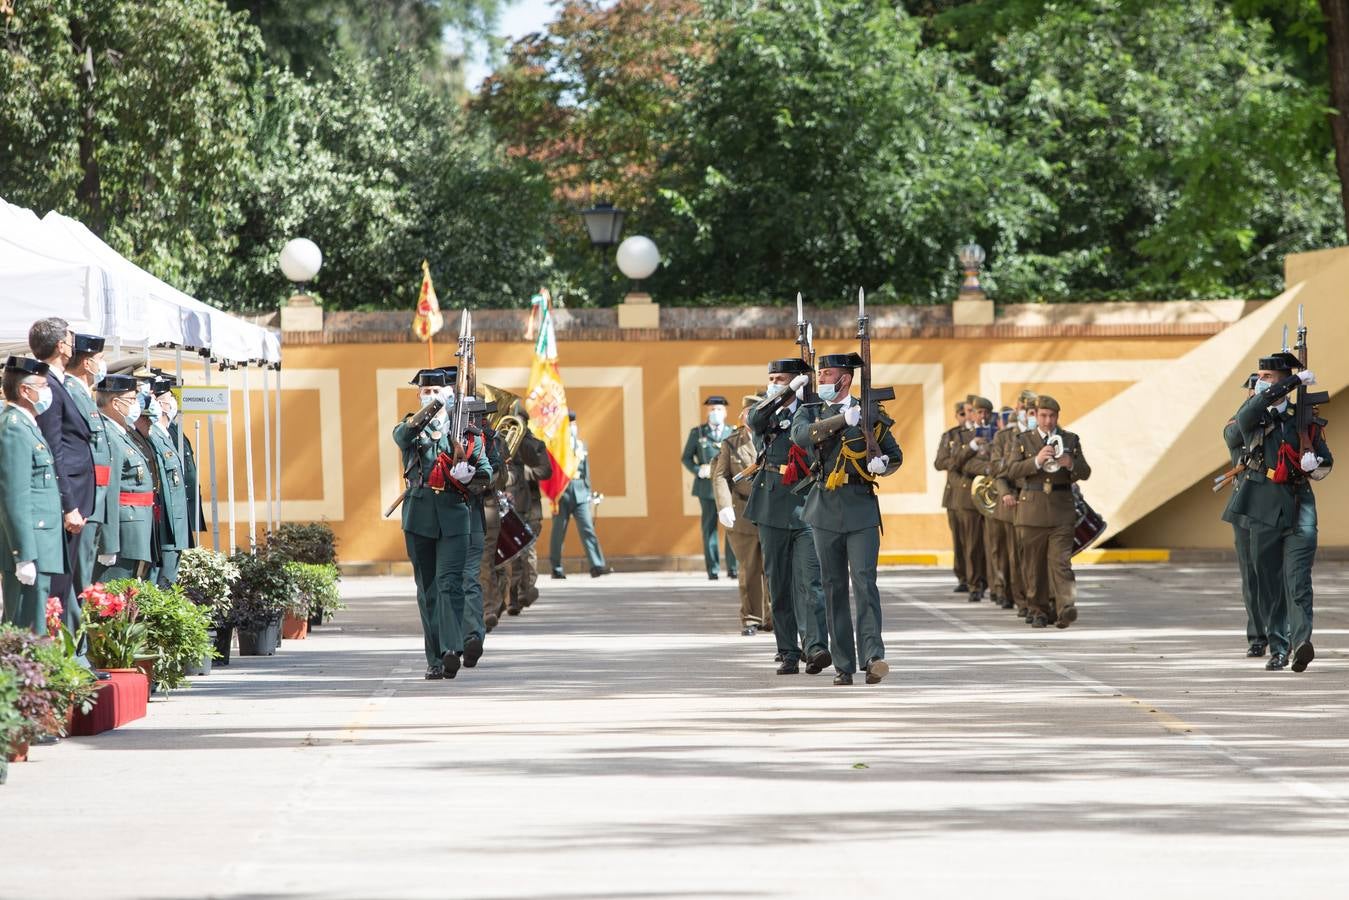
638,259
300,260
604,224
972,306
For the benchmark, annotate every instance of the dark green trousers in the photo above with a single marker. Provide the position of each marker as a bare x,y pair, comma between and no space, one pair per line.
585,526
1255,628
473,611
842,553
708,524
124,567
82,575
793,572
1283,568
438,568
26,605
167,572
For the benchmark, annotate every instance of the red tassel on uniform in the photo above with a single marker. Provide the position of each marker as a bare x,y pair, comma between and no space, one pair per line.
798,466
1288,463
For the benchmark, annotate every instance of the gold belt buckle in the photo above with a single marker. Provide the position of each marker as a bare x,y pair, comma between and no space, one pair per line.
1048,487
1269,473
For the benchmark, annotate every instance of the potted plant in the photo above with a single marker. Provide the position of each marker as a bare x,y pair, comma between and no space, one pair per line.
205,577
307,543
74,685
176,630
39,708
117,637
318,597
262,593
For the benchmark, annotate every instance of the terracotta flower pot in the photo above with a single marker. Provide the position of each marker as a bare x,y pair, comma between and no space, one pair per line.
18,753
294,628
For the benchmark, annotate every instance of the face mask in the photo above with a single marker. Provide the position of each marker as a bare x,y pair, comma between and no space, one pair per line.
827,392
170,406
1262,386
572,429
716,418
774,388
44,400
101,371
1021,417
131,417
428,399
1281,406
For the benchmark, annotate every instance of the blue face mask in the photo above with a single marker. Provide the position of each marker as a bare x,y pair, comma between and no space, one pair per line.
827,392
43,401
131,418
774,388
1262,386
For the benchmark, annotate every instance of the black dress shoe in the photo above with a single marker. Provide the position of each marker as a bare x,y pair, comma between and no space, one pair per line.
434,673
767,626
1007,603
749,630
472,650
559,575
817,662
733,574
842,678
1257,648
597,571
961,588
778,657
1039,621
512,610
1066,617
450,660
1302,655
876,670
975,596
1277,661
789,667
712,576
490,621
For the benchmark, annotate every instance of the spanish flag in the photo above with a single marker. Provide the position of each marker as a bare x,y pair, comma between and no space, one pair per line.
428,319
546,401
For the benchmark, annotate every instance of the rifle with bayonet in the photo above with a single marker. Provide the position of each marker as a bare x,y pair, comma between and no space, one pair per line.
415,426
1305,416
805,341
870,395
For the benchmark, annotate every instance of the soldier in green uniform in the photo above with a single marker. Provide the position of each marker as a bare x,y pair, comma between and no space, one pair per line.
1256,641
188,457
951,439
1004,514
85,369
577,500
126,546
437,522
1045,462
700,449
173,531
529,465
844,513
790,562
32,547
1274,493
483,587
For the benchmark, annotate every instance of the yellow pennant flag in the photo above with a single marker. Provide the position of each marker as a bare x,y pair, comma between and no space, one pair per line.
428,319
546,401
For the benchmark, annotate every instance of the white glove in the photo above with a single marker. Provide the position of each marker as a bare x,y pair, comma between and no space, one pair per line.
462,472
976,444
878,464
799,382
705,471
106,559
852,415
1310,461
26,572
726,516
1307,376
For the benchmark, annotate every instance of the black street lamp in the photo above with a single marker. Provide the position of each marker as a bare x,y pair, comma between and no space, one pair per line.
604,223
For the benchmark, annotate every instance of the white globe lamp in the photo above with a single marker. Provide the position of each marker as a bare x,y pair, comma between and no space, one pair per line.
638,257
301,260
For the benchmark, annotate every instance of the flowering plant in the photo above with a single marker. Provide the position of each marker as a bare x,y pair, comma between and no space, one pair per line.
40,707
54,610
205,576
117,637
175,628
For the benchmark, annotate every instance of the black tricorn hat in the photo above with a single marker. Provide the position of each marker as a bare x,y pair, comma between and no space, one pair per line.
1251,379
26,364
431,378
162,384
1283,361
88,343
715,400
839,361
792,365
571,414
117,384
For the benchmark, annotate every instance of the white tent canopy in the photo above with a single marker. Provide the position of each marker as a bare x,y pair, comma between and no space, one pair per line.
55,266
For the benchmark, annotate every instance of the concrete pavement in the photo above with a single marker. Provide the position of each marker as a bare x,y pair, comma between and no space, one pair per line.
621,740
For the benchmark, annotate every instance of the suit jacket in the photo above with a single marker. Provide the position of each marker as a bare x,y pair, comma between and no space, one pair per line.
98,446
700,449
427,512
1255,495
1046,498
67,432
31,529
851,506
130,531
771,502
737,453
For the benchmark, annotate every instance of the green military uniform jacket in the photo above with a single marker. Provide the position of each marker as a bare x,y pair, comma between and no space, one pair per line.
437,513
699,450
1235,450
1045,499
1256,495
173,528
820,430
130,528
770,501
31,529
191,479
98,445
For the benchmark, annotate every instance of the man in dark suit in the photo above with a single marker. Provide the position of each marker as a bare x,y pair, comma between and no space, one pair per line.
66,429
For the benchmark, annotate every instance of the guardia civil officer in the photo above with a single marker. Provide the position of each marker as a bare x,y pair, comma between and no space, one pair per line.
844,513
700,449
1274,493
577,500
188,458
32,549
126,545
173,530
774,506
1045,463
437,521
1256,641
951,440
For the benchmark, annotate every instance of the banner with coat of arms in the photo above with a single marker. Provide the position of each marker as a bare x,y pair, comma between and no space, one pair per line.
546,401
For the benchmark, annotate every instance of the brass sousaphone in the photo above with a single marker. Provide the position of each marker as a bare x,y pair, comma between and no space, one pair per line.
984,490
503,419
515,535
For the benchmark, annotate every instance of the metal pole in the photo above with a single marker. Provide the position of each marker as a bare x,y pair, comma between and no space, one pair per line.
267,446
194,508
248,464
210,440
277,445
229,453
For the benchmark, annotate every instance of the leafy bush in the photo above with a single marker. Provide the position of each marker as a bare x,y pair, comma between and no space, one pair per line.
37,708
10,718
264,590
176,629
318,592
206,576
304,542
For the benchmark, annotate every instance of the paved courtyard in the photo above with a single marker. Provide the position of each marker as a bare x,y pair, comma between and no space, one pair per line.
621,740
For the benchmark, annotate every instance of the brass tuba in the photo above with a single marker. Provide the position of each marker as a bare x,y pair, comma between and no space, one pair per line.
984,490
503,419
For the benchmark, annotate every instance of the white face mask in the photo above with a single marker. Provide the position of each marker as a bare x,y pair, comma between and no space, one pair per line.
827,392
427,399
716,418
100,371
774,388
169,404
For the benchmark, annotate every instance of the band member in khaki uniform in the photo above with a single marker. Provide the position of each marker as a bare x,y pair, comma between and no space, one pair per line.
986,463
950,440
1045,513
969,521
737,454
1004,514
529,466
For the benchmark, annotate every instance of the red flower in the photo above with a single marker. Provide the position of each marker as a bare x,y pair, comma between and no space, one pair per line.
54,610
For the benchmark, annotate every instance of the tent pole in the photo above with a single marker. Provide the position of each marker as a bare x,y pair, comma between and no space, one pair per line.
229,464
277,445
267,446
210,441
248,464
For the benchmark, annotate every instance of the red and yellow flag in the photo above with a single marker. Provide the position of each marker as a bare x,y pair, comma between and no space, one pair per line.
546,401
428,319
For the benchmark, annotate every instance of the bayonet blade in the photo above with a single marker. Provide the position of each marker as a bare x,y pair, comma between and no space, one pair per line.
1285,339
861,303
800,315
